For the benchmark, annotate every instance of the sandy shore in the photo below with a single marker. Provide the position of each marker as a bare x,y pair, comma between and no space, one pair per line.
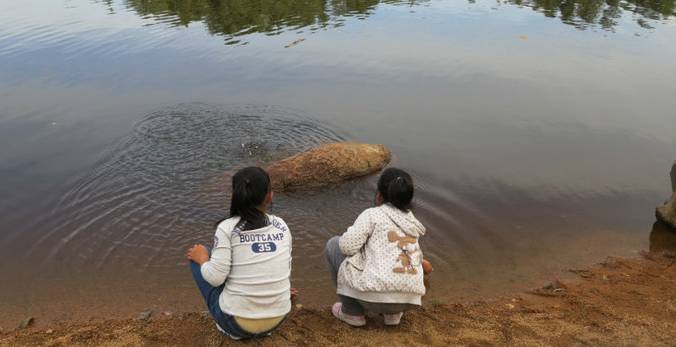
617,302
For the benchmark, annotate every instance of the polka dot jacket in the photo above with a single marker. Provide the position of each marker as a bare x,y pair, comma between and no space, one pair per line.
383,261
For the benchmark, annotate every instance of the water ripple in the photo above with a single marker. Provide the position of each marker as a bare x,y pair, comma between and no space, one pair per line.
166,180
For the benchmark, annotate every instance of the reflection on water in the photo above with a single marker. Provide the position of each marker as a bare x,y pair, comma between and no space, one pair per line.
604,14
662,237
237,18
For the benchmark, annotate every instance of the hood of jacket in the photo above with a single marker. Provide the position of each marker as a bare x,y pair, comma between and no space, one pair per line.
406,221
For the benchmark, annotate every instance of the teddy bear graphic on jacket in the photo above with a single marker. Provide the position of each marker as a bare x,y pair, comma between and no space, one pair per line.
404,243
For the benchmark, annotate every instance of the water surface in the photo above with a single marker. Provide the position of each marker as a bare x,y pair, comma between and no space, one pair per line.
540,135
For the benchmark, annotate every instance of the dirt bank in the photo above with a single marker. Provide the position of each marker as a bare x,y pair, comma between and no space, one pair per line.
617,302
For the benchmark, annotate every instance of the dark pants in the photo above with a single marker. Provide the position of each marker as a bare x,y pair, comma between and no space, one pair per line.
354,306
211,295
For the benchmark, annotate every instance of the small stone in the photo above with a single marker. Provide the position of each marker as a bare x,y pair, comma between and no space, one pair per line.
49,331
145,315
552,289
582,273
167,313
26,323
510,306
299,306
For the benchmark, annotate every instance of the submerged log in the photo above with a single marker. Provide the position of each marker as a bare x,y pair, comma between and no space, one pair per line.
327,164
667,212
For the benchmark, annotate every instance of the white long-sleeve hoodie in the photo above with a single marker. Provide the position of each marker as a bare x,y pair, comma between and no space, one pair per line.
255,266
384,260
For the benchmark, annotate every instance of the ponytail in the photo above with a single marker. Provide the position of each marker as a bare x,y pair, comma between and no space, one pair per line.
396,187
250,186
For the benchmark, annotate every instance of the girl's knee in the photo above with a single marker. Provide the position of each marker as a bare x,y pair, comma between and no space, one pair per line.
331,244
194,267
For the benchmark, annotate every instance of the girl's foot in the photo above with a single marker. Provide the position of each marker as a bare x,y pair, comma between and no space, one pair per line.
236,338
355,321
393,319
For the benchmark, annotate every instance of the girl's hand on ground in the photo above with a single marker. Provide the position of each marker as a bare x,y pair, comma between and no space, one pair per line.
198,253
294,294
427,267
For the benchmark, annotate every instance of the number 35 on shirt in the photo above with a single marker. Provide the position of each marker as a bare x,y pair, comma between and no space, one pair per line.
263,247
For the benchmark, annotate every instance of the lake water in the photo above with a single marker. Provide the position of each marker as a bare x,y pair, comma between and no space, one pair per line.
540,135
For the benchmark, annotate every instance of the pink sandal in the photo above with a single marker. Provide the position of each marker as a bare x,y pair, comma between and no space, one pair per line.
355,321
393,319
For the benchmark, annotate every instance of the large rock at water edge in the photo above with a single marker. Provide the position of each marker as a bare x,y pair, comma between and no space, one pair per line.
328,164
667,212
662,238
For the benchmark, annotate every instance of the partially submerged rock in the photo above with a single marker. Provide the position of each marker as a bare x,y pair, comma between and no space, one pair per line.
667,212
328,164
673,177
662,238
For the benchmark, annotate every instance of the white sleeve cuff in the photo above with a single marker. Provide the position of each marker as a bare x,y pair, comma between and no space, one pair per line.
205,270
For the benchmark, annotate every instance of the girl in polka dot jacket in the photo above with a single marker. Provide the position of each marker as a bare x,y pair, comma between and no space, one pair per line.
377,264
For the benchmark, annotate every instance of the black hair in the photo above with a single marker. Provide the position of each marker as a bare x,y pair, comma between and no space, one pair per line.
250,186
396,187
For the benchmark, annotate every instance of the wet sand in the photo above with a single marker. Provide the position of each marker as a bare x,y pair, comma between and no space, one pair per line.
616,302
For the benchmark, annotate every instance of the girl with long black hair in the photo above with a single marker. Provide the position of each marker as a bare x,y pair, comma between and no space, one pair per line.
244,279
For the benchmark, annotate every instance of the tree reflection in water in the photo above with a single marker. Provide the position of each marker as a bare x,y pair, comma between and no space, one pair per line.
237,18
605,14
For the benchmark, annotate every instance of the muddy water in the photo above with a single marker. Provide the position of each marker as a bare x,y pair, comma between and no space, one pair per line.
540,136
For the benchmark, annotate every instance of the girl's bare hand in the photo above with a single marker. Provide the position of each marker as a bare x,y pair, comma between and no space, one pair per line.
427,267
294,294
198,253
